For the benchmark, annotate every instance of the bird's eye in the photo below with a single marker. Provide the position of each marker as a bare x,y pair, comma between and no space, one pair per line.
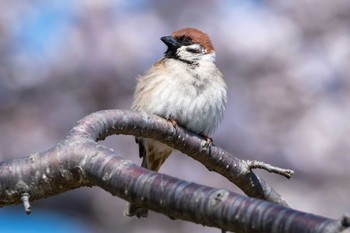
186,41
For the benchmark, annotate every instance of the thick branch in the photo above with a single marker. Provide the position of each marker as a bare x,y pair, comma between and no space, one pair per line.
72,164
79,161
104,123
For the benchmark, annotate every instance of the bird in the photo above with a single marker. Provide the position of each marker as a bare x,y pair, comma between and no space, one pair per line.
184,87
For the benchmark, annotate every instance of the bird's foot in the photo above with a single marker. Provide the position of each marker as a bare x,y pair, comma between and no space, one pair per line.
208,142
173,122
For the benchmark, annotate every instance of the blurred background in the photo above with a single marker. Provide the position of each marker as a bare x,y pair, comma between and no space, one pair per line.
287,65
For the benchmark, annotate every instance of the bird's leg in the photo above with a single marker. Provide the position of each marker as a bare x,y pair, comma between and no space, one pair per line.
173,122
208,141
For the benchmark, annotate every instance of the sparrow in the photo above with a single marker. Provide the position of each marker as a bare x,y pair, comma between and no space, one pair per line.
184,87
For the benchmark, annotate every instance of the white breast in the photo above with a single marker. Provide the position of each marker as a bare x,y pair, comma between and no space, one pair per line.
195,97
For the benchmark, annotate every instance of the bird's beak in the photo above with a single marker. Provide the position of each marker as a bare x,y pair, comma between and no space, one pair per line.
170,42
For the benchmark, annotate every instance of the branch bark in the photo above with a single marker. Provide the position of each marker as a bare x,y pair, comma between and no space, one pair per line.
79,161
104,123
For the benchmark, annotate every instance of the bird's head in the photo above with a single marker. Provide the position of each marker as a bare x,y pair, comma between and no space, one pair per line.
189,45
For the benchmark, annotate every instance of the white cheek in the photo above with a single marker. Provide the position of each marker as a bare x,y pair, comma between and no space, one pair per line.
184,54
195,47
190,56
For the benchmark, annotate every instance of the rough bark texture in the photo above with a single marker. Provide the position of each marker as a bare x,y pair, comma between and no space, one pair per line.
79,161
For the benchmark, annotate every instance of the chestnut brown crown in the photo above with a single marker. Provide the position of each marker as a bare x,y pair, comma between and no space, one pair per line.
196,36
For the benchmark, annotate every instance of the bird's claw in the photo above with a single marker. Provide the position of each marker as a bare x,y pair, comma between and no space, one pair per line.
208,142
173,122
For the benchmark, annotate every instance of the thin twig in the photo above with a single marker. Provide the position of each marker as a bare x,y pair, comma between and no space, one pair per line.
253,164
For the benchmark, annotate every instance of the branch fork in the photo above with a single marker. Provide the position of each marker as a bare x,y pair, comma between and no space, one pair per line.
80,161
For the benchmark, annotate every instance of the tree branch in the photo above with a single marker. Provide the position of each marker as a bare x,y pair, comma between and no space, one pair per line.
79,161
268,167
104,123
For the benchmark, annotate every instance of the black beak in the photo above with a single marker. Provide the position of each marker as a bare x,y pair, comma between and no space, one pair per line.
170,42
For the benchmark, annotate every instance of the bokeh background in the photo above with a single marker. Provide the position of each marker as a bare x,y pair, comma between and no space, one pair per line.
287,65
